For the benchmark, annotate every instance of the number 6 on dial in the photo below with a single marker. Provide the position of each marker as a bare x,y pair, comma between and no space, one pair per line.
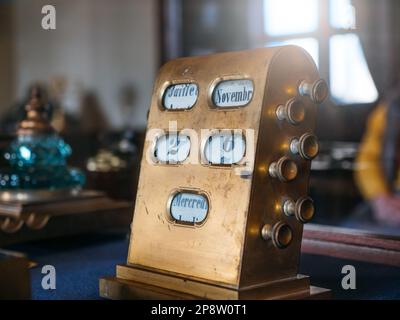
225,148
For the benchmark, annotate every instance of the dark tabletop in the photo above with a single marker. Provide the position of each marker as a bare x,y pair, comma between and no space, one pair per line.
81,261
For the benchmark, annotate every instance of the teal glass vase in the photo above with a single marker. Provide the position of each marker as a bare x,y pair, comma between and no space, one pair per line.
39,162
37,157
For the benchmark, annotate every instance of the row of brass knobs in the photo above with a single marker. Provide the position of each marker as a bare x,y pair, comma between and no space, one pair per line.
286,169
281,234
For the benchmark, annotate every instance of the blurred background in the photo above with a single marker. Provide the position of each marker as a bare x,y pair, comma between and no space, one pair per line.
99,65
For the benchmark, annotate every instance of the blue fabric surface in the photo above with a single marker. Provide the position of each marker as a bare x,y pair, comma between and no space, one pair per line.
373,281
81,261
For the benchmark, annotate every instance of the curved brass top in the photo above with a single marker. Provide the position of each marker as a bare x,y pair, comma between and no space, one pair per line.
36,121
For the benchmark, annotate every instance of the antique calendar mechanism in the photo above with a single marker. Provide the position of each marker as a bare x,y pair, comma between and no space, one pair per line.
223,188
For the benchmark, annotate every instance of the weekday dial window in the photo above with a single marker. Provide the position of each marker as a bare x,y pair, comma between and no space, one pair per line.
172,148
189,208
225,148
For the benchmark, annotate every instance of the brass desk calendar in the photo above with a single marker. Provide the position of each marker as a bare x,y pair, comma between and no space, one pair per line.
222,194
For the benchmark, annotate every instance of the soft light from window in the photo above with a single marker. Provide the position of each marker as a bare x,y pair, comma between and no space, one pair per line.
342,14
309,44
350,79
283,17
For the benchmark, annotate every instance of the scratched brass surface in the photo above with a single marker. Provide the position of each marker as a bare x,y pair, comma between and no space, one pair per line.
228,247
262,261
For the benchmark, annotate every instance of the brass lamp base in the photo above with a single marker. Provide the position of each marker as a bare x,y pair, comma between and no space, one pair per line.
136,282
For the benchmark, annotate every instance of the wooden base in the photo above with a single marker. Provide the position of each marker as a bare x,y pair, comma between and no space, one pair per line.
88,211
14,276
134,282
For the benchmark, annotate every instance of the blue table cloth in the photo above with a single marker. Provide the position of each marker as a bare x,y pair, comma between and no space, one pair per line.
81,261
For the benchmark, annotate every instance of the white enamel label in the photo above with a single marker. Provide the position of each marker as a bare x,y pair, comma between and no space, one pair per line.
189,207
225,148
180,96
233,93
172,148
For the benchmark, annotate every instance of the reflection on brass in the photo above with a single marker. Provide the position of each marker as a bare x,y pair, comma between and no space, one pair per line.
228,252
280,234
36,121
303,209
293,111
37,222
284,169
317,91
105,161
307,146
10,225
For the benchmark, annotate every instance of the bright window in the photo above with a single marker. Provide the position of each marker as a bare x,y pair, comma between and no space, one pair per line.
331,42
283,17
342,14
350,79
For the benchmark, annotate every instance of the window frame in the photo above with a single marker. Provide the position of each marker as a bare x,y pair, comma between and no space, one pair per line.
323,35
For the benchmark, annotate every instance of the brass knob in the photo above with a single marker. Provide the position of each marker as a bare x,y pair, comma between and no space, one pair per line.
284,169
293,111
303,209
317,91
307,146
280,234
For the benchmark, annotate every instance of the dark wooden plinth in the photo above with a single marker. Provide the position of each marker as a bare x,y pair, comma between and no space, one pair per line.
14,276
88,211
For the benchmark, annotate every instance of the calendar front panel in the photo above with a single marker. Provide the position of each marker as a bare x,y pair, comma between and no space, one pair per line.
216,175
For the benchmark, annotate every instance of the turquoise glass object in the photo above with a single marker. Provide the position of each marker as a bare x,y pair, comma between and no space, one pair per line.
37,157
39,162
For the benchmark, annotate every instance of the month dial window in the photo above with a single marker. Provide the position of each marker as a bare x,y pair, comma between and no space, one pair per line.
232,93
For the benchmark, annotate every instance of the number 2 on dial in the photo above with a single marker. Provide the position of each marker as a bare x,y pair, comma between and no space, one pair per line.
172,148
